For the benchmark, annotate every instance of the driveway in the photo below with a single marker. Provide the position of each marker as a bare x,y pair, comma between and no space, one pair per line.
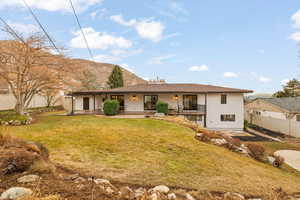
291,157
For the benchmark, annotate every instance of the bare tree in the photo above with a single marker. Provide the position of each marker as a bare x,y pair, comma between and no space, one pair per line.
28,67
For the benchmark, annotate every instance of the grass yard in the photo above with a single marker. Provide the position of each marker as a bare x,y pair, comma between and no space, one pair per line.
150,152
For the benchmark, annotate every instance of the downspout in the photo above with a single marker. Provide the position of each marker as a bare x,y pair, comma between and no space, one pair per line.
205,111
72,112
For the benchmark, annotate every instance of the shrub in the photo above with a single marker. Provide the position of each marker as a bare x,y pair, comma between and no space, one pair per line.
111,107
246,124
256,151
13,117
162,107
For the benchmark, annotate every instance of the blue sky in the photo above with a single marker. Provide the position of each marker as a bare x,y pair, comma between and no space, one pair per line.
249,44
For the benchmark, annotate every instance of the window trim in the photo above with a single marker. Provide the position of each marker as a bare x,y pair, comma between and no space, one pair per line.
151,98
222,119
224,95
183,98
298,118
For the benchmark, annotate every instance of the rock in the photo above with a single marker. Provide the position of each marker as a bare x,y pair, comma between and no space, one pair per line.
28,178
159,115
160,188
189,197
79,180
172,196
233,196
102,181
16,123
139,192
4,123
219,142
15,193
155,196
72,177
126,193
109,191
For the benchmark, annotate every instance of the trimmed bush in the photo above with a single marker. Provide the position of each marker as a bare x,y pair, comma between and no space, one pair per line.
256,151
111,107
162,107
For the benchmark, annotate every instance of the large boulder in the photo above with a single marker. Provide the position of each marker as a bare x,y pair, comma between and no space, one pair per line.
15,193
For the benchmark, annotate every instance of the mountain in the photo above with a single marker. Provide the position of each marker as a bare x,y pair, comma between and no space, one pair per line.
103,70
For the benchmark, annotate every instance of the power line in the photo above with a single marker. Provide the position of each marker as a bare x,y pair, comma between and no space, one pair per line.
12,30
80,27
41,26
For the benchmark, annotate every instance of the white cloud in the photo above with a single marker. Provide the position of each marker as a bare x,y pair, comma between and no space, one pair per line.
52,5
24,28
146,28
126,66
98,13
151,30
198,68
178,8
160,60
264,79
106,58
284,81
120,20
295,36
230,75
296,19
98,40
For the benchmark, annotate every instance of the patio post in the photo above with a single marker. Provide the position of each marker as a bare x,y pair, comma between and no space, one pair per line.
205,113
94,103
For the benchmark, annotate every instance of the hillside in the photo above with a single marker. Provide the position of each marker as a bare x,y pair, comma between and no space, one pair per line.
151,152
103,70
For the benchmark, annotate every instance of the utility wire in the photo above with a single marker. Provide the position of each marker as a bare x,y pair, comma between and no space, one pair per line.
41,26
80,27
12,30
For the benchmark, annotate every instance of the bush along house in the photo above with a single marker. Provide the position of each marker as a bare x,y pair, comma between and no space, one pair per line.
212,107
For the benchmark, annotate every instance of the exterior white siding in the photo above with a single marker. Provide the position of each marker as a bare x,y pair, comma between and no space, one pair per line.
8,101
234,106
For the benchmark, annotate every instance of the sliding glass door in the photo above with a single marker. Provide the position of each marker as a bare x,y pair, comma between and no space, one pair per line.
150,102
190,102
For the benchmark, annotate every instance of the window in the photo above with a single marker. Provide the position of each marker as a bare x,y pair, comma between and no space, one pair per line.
298,118
227,118
194,118
189,102
119,98
150,102
223,99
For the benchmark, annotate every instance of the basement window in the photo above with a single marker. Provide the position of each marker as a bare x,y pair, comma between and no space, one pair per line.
227,118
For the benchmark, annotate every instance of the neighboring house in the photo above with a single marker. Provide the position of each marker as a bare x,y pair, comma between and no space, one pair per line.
211,106
8,100
276,114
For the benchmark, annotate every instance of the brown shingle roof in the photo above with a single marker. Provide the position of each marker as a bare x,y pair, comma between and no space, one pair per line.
168,88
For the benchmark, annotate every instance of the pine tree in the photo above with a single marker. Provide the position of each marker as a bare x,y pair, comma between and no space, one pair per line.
115,79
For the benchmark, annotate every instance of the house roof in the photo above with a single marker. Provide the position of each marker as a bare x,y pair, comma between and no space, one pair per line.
291,104
168,88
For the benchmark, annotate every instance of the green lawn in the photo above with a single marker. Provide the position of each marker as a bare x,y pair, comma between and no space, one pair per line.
147,151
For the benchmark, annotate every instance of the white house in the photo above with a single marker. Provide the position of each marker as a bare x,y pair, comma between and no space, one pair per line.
276,114
213,107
